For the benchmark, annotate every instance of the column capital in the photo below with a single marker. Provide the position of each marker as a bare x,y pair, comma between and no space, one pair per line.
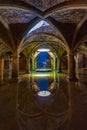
70,52
15,55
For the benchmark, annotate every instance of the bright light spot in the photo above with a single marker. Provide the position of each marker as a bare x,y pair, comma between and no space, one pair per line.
43,50
40,75
42,23
44,93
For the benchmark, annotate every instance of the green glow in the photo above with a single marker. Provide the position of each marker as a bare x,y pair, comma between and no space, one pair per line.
44,74
40,75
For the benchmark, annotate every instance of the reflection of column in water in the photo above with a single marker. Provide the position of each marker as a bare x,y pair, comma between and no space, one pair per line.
58,82
10,67
70,104
29,81
17,103
27,113
54,76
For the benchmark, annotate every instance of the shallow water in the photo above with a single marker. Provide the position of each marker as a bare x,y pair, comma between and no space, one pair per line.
21,108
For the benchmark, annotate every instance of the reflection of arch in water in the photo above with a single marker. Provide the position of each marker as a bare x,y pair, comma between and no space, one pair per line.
49,83
25,120
25,101
47,120
35,86
52,86
44,117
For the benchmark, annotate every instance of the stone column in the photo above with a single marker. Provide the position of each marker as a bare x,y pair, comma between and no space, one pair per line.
15,65
9,67
59,65
10,62
76,61
2,68
54,65
71,67
33,64
28,65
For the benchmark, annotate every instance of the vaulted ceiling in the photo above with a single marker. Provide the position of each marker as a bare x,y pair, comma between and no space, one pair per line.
67,21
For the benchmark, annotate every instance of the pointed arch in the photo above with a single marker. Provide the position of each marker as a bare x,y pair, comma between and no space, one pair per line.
77,29
41,37
50,23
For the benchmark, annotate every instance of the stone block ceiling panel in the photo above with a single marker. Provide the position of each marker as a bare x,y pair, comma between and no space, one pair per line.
16,15
44,4
41,38
45,29
69,15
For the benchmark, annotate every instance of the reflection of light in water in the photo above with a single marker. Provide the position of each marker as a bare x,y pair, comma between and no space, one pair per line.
44,93
41,75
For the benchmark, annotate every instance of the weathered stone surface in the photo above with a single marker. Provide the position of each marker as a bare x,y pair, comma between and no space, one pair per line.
17,15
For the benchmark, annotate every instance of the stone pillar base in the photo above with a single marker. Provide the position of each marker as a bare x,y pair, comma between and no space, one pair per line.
27,72
2,83
59,71
72,79
15,79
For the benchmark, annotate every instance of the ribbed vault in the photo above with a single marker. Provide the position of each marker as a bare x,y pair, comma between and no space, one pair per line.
67,21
